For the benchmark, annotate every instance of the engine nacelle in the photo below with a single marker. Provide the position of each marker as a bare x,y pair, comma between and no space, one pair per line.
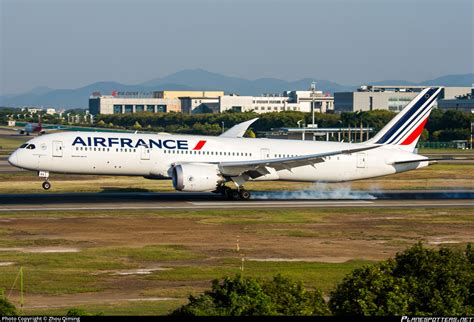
196,177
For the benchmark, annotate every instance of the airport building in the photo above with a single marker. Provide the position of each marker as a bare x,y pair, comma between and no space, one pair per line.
463,103
193,102
135,102
179,94
108,104
287,101
393,98
196,105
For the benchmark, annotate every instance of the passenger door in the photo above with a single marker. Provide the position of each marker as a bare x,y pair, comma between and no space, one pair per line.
57,148
361,160
264,154
144,153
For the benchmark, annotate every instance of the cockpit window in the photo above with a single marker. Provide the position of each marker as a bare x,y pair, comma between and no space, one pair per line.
31,147
23,145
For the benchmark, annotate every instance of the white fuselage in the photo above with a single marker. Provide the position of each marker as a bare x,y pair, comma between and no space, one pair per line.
154,155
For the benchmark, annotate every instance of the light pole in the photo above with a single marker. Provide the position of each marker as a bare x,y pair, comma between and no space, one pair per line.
222,126
472,137
313,89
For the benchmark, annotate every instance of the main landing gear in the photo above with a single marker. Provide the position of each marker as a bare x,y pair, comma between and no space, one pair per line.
45,174
234,194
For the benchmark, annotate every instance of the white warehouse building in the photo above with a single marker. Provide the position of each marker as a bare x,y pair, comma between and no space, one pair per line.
288,101
393,98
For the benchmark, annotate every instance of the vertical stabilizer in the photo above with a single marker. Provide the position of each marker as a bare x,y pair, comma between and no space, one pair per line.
404,130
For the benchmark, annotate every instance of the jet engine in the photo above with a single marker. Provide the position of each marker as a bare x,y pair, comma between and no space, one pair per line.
196,177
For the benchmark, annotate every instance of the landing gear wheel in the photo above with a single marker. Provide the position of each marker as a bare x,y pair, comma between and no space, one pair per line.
225,191
244,194
235,195
46,185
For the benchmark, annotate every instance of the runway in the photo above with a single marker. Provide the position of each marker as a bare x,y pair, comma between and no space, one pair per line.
199,201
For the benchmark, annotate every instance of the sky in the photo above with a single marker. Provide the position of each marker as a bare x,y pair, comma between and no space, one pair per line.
72,43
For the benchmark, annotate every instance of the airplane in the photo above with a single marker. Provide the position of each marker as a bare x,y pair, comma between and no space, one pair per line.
33,128
206,163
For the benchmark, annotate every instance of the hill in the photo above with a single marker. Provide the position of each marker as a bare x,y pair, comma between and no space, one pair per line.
199,79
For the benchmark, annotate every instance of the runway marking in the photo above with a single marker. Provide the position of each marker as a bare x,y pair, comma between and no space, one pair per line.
93,208
281,203
254,205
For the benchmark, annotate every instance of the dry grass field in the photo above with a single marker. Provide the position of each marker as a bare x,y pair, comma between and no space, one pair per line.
148,262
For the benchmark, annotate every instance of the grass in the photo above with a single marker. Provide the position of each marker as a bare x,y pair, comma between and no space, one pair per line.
444,150
62,273
315,275
198,246
12,142
130,308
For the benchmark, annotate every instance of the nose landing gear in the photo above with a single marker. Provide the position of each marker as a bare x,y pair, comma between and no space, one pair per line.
45,174
46,185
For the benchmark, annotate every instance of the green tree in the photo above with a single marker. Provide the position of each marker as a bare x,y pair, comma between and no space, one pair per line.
250,134
76,312
80,312
424,135
137,126
247,296
289,297
418,281
7,308
234,296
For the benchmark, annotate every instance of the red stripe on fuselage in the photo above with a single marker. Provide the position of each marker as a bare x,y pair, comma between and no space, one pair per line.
199,145
415,134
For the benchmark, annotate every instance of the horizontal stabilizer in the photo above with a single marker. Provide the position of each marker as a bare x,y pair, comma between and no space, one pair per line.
427,160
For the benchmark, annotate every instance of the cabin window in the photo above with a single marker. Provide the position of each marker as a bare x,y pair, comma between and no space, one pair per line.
23,145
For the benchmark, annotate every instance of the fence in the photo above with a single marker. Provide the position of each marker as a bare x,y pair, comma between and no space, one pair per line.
458,144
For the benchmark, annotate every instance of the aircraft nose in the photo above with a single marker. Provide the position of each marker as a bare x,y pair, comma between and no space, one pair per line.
13,159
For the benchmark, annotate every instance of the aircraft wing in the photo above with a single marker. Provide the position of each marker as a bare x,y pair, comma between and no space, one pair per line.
238,130
257,168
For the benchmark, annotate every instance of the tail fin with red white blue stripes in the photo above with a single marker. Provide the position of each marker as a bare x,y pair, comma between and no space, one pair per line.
404,130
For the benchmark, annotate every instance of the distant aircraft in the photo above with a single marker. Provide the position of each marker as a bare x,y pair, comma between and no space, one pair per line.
33,127
206,163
